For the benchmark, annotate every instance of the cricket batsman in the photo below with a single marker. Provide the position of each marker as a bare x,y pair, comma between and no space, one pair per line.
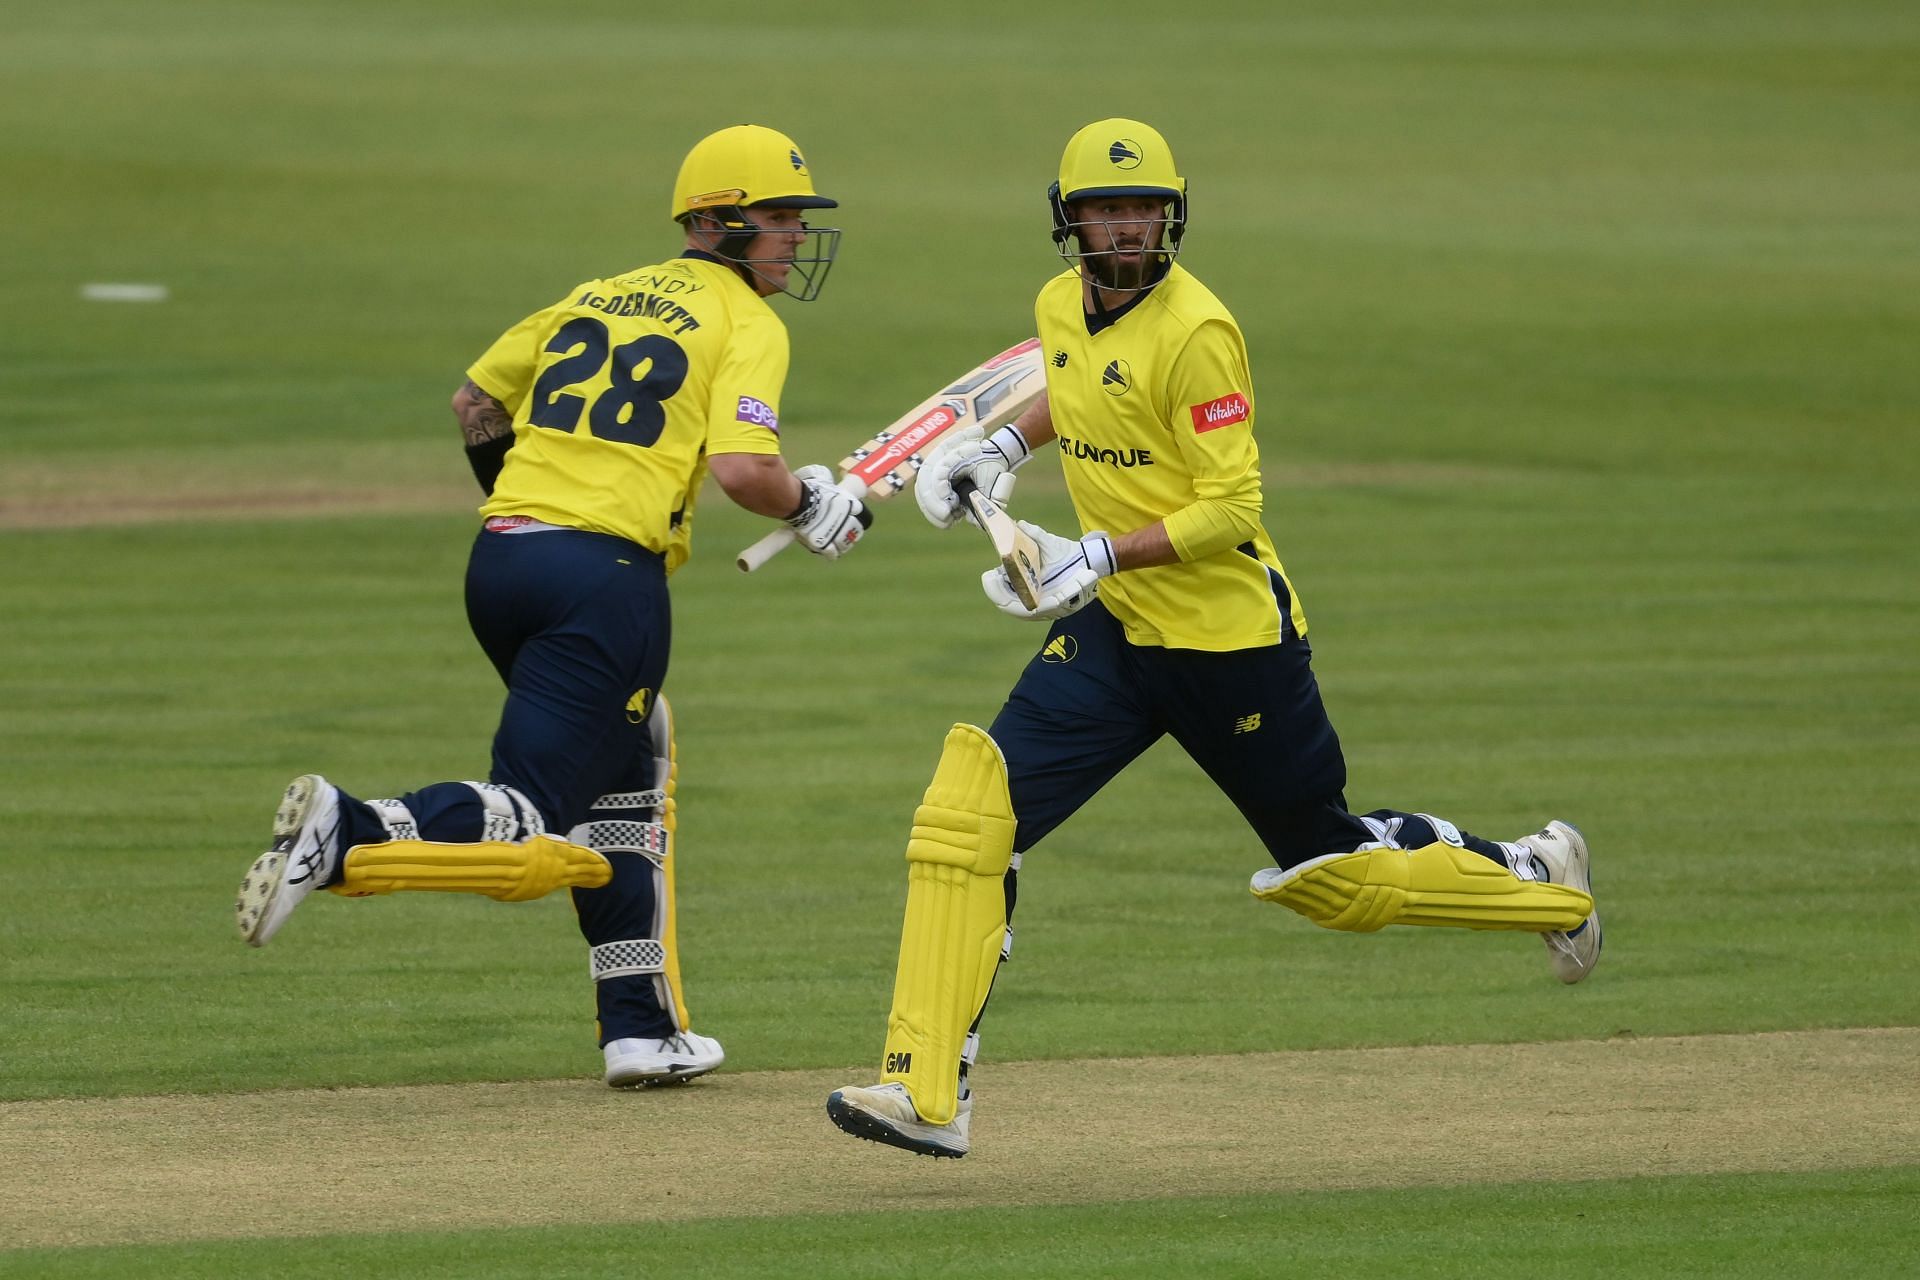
590,425
1170,613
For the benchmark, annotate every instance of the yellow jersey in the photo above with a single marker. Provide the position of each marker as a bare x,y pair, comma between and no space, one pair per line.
1154,412
621,390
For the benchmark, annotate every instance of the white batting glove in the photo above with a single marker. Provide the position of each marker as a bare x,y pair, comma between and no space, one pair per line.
829,520
970,454
1069,573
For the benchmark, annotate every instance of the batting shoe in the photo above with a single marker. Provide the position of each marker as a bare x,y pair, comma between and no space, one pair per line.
1563,851
885,1113
305,855
635,1062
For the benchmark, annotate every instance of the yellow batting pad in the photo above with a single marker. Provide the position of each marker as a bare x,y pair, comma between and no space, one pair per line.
667,779
957,860
497,869
1436,884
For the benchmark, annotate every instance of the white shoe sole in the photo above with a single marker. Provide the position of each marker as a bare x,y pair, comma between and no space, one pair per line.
937,1140
1575,952
654,1079
651,1070
267,893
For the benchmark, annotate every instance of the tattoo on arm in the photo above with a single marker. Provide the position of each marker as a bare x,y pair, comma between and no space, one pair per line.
482,418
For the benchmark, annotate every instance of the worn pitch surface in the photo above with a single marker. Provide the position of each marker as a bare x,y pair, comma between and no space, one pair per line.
561,1151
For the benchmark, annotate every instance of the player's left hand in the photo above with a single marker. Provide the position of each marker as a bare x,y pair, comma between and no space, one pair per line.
829,520
1069,574
968,454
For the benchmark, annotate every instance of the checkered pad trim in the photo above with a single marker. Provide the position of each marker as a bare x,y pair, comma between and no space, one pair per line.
631,800
396,818
625,959
613,835
510,816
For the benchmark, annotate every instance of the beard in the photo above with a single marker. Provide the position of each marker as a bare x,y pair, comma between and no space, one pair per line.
1130,276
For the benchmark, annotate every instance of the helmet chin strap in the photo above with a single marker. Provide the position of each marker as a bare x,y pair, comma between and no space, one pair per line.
736,233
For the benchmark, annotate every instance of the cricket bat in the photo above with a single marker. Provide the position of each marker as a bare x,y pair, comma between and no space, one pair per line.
1000,388
1019,554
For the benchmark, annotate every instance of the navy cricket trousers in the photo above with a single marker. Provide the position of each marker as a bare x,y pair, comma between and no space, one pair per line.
1089,703
578,626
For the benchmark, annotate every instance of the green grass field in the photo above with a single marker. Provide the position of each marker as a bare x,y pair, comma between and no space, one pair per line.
1584,342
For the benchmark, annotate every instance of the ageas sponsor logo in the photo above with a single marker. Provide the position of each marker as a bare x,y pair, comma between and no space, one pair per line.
758,412
1215,414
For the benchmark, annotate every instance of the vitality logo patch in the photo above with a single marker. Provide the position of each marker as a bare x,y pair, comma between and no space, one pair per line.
1215,414
1247,724
1116,377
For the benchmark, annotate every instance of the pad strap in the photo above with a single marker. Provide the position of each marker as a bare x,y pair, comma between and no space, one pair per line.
396,818
627,958
631,799
508,814
619,835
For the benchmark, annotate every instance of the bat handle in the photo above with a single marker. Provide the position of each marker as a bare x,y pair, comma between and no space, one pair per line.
782,538
764,550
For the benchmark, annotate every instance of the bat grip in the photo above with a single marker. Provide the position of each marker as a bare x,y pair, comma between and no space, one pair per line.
764,550
780,539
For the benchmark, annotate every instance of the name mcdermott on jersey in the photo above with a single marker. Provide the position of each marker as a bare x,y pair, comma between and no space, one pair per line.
1071,448
650,305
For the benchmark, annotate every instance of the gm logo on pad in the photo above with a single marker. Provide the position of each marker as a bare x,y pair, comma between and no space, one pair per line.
1124,154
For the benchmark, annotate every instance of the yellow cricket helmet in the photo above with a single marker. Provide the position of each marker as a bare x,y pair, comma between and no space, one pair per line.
1118,157
751,166
743,166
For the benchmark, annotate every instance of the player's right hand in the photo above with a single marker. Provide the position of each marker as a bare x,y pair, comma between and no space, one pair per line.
1070,574
968,454
829,520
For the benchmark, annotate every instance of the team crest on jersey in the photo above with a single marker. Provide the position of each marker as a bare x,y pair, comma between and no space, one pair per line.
1062,648
799,165
1124,153
1215,414
638,705
1116,377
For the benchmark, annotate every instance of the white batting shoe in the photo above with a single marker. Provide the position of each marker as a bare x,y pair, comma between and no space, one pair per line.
1563,851
632,1063
305,854
885,1113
